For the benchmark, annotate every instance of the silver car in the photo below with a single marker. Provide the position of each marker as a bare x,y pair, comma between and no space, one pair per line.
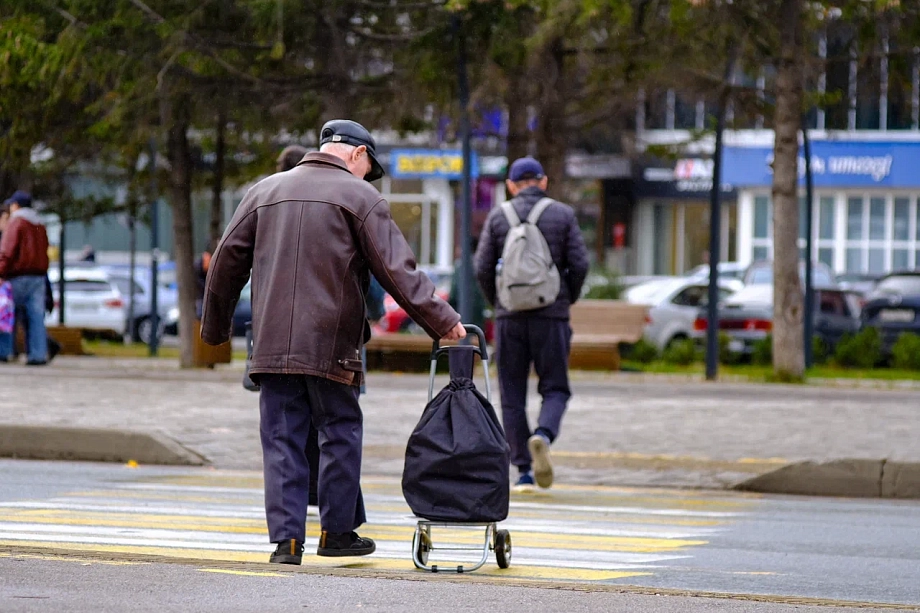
674,305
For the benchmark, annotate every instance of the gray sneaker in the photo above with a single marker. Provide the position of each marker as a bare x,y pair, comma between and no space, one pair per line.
542,465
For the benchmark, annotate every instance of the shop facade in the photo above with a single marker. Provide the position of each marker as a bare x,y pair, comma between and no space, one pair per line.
865,209
671,217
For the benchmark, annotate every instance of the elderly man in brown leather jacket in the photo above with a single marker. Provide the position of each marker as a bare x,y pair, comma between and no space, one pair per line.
311,237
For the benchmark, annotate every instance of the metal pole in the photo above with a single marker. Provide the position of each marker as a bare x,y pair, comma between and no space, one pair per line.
132,250
715,235
61,281
154,251
809,281
715,230
466,268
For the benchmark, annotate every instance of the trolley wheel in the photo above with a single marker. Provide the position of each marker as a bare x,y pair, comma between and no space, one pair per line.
503,548
423,547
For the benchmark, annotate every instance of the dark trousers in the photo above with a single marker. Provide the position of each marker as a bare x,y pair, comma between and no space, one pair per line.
289,404
543,343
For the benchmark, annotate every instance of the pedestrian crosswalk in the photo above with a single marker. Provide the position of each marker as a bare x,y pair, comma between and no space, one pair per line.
569,533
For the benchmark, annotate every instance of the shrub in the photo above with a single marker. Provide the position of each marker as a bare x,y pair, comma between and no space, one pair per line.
603,285
643,352
726,355
682,352
905,353
762,351
819,350
864,350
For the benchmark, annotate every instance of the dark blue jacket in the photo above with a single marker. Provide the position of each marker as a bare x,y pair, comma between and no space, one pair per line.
560,228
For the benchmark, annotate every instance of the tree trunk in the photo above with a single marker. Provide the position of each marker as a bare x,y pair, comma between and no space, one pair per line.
551,132
217,204
516,101
788,302
180,187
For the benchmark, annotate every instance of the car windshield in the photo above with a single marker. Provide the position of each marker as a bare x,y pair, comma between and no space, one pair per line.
83,285
653,292
903,285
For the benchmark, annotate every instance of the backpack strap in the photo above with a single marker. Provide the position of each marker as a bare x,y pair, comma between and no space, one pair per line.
538,209
510,214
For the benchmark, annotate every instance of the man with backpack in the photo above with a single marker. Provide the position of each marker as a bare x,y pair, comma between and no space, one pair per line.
531,263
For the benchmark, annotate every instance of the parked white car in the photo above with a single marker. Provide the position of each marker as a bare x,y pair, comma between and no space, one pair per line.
91,301
674,306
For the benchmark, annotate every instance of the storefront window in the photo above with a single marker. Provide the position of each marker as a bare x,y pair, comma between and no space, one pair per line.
761,217
876,261
876,219
901,219
760,253
826,255
826,218
854,260
899,259
854,220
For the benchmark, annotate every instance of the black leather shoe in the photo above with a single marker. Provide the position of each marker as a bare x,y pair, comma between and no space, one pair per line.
288,552
36,363
337,545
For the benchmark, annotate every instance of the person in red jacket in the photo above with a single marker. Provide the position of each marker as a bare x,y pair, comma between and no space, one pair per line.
24,263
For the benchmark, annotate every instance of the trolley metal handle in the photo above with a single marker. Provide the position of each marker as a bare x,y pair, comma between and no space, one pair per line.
482,351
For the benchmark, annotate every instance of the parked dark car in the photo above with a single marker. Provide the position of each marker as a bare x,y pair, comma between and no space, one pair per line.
894,307
747,317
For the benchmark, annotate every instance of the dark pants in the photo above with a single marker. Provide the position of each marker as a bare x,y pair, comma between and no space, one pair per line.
289,403
544,343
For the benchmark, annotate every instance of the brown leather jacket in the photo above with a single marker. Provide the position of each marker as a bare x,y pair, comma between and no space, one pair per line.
311,236
24,246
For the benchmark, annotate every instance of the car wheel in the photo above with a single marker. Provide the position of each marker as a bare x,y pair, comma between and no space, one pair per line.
675,339
143,328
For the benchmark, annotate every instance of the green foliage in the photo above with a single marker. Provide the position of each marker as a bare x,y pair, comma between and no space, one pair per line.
820,352
681,352
726,355
643,352
863,350
905,354
603,284
762,351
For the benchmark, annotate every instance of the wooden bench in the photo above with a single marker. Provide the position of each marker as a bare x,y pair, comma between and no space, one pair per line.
204,355
70,339
400,352
598,329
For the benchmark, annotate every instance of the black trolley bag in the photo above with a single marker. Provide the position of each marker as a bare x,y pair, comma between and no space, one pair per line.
457,458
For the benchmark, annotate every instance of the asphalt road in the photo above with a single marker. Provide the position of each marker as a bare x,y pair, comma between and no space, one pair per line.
90,537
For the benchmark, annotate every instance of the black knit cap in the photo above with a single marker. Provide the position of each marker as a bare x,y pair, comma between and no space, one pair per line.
353,133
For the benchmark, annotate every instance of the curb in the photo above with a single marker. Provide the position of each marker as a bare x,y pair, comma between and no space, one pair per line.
852,478
94,445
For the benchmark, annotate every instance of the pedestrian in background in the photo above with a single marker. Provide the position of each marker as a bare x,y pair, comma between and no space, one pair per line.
7,306
538,336
24,263
309,238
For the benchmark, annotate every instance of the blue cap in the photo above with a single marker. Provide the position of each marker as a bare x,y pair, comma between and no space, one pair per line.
21,198
525,168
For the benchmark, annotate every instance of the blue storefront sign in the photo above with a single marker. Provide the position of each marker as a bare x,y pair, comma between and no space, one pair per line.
430,164
833,164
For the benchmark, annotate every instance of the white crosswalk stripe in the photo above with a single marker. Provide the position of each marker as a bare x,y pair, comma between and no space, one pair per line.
569,533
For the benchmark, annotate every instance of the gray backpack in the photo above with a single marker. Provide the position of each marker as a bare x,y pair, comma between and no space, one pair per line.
527,278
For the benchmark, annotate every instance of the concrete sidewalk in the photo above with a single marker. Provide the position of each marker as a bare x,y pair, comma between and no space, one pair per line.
621,429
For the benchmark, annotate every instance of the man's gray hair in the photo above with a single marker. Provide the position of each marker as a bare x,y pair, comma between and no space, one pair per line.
338,148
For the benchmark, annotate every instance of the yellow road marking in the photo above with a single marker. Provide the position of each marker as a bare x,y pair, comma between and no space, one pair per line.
54,558
542,573
227,571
